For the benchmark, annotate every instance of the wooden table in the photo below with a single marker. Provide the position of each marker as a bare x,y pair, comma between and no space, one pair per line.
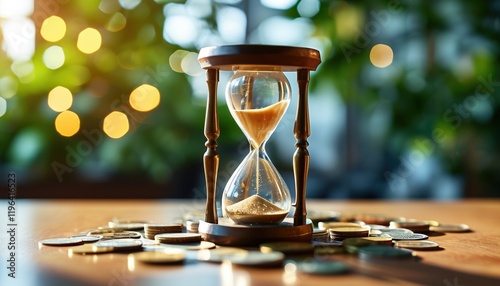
466,259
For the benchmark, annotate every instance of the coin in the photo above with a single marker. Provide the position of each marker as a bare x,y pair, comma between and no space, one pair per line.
383,251
327,225
62,241
413,225
418,245
219,254
89,249
287,247
349,231
258,259
322,267
178,237
166,256
126,225
150,230
451,228
88,238
192,226
124,244
408,236
394,230
192,246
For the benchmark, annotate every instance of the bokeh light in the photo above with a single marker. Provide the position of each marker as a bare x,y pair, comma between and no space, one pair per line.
116,23
89,41
381,55
53,57
115,124
190,64
53,29
60,99
67,123
3,106
175,60
8,87
144,98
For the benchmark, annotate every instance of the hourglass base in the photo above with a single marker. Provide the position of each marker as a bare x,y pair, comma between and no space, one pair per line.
227,233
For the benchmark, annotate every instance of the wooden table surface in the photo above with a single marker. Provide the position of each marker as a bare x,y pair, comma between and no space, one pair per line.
466,258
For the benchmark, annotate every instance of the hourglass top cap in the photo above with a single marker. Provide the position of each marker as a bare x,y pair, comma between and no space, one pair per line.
287,57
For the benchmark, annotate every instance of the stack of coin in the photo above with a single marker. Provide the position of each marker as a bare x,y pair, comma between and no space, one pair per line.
341,233
150,230
418,226
320,235
192,226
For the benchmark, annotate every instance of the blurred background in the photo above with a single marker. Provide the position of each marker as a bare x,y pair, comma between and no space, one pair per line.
105,98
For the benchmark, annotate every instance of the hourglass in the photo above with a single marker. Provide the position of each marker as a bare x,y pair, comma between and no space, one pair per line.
256,200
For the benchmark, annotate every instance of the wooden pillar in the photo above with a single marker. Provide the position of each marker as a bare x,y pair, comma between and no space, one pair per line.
211,157
301,130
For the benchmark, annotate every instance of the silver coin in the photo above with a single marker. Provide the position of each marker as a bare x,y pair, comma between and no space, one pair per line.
418,244
408,236
322,267
257,258
124,244
88,238
62,241
394,230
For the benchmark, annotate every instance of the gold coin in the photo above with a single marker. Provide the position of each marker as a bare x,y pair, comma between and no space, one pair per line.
178,237
349,231
89,249
165,256
287,247
451,228
257,258
328,225
219,254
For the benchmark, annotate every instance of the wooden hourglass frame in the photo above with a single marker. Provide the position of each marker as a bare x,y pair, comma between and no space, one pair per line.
228,58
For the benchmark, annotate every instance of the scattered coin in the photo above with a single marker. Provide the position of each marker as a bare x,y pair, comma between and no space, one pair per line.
322,267
192,226
125,244
126,225
166,256
451,228
258,259
330,243
417,245
382,251
89,249
192,246
349,231
219,254
394,230
413,225
408,236
178,237
328,225
88,238
122,234
287,248
62,241
327,250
